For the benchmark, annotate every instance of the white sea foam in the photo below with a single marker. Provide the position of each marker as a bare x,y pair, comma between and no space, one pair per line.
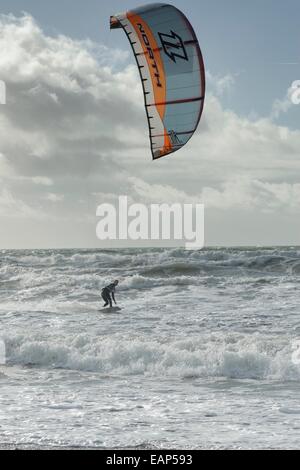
234,357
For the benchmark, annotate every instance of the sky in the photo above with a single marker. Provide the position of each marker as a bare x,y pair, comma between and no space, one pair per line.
74,134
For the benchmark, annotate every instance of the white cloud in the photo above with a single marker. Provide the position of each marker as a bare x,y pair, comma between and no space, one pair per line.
75,121
254,195
292,98
55,197
5,169
236,193
42,180
12,207
221,85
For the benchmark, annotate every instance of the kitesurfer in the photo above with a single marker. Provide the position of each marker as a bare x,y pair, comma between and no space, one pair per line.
108,294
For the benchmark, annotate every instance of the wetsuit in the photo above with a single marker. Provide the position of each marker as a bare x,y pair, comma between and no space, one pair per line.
107,293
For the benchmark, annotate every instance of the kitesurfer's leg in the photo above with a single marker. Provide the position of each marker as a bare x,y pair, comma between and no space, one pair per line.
106,297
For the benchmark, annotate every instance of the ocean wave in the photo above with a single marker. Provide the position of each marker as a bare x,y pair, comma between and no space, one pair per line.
232,356
174,268
151,262
145,282
63,258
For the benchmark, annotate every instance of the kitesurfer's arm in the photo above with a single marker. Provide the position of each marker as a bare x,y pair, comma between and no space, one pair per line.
113,296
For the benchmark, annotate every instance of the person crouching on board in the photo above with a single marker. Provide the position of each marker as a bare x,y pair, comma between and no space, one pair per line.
108,293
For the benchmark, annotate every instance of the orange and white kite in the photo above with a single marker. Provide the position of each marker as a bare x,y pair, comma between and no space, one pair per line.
172,72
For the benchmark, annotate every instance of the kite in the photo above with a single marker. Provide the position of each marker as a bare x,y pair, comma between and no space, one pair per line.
172,72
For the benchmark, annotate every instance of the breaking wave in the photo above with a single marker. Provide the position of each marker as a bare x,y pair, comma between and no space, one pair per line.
153,263
209,356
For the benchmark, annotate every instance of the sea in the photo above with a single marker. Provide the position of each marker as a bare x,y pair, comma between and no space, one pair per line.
204,353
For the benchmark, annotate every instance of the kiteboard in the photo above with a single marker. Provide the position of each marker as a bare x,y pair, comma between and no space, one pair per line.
110,310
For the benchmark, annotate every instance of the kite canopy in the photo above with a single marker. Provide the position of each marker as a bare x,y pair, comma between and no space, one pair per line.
172,72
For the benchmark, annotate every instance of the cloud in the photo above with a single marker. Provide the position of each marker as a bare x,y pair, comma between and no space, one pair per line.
2,92
55,197
12,207
75,122
292,98
156,194
256,195
221,84
65,111
236,193
5,170
42,180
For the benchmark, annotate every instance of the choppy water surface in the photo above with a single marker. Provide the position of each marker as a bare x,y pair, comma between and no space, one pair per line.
202,355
